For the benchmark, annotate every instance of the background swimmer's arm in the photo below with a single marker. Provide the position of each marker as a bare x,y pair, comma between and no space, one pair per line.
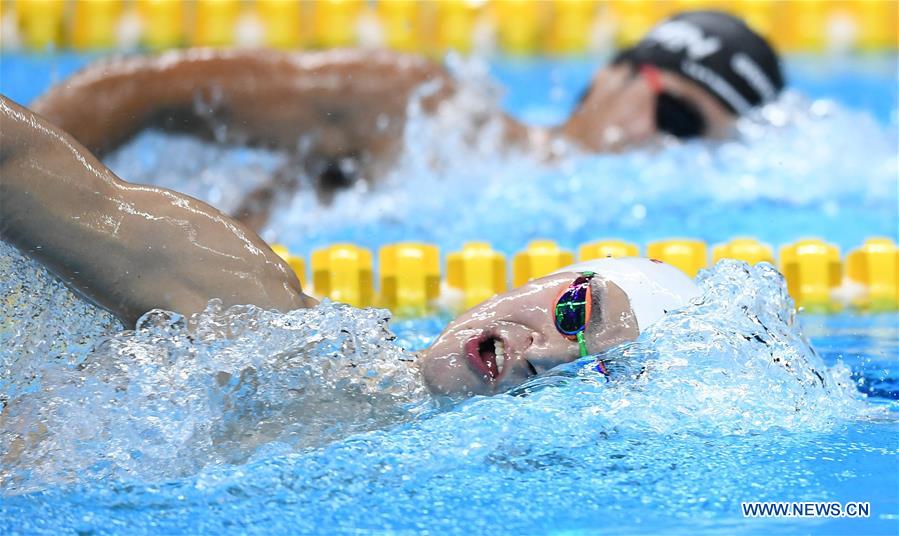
336,102
128,248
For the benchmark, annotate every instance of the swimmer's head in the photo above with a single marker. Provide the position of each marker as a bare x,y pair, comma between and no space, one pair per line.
582,309
692,75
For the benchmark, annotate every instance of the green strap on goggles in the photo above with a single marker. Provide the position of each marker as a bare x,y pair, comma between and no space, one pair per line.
582,344
572,310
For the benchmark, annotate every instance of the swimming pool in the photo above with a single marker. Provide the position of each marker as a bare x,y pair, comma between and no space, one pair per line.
307,422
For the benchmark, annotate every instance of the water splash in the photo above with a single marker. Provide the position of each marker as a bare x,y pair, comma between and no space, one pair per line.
798,168
250,418
217,173
42,323
719,402
734,362
178,395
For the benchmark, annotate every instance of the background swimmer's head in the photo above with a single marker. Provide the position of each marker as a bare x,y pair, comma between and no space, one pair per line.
511,337
692,75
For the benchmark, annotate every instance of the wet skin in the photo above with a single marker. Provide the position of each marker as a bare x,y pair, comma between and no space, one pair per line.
345,103
126,247
461,362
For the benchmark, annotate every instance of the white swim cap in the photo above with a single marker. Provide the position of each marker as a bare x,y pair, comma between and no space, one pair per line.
653,287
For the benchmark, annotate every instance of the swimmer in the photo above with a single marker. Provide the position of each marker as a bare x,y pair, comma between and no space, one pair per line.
341,113
131,248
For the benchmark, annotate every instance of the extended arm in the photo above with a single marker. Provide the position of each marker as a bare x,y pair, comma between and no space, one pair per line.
341,102
128,248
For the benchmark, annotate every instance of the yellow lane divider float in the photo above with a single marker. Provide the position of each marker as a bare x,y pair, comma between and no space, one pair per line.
455,25
607,248
343,272
477,271
744,249
410,275
399,20
215,22
297,264
813,271
542,257
40,23
95,24
163,23
570,26
280,20
335,22
519,26
688,255
875,267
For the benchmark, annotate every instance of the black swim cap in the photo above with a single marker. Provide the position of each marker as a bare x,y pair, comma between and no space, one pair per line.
717,51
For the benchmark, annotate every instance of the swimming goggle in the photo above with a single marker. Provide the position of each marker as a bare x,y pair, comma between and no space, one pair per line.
572,313
573,308
674,115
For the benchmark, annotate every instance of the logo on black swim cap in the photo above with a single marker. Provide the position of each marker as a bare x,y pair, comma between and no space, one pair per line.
717,51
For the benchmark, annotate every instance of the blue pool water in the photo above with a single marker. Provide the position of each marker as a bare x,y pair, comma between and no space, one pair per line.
309,421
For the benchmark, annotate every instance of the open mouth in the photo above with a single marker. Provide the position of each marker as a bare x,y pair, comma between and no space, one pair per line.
487,354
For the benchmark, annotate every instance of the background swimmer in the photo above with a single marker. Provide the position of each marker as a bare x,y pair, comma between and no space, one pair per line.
342,113
133,248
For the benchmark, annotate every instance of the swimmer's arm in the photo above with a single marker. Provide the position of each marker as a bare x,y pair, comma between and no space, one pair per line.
346,102
324,106
126,247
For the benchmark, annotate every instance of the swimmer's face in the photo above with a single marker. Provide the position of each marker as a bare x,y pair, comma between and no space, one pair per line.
619,110
520,325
